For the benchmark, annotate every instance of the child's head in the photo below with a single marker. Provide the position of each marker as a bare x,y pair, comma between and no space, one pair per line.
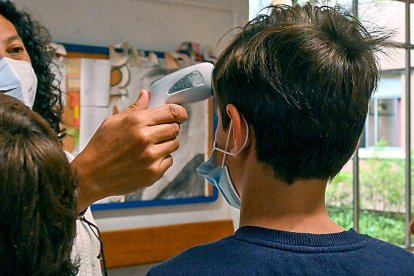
302,77
37,198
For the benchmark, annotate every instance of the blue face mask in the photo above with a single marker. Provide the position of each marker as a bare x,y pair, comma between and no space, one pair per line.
18,80
219,176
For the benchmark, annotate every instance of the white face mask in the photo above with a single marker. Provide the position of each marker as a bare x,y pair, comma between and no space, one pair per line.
18,80
219,176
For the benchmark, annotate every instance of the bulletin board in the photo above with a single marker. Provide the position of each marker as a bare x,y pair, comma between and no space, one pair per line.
88,101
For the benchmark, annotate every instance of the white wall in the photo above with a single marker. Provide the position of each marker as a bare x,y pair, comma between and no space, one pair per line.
146,24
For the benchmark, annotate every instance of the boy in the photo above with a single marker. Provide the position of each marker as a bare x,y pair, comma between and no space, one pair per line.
292,95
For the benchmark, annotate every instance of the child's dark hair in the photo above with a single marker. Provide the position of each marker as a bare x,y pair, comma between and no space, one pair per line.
37,195
302,77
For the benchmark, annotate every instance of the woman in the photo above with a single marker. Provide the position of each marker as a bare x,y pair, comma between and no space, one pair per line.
34,175
103,168
23,42
30,45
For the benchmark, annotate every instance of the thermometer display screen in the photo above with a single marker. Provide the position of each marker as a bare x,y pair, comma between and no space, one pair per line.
192,79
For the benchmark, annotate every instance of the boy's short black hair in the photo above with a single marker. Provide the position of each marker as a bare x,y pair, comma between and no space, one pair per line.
302,77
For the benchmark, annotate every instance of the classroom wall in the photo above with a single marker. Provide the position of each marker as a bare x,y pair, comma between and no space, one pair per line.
148,24
159,25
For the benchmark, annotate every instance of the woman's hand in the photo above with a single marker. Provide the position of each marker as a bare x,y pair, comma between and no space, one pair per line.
129,151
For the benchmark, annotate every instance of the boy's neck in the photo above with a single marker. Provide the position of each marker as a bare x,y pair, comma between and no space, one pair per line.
300,207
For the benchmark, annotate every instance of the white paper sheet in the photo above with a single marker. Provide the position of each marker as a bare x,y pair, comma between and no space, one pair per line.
91,119
95,82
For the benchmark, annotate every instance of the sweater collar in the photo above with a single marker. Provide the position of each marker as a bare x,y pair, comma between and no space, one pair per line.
271,236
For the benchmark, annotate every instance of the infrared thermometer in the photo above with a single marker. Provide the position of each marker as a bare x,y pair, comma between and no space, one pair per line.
187,85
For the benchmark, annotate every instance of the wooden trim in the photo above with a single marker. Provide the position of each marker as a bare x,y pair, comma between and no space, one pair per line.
155,244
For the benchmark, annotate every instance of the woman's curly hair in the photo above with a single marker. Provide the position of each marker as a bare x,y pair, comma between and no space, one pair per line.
36,39
37,195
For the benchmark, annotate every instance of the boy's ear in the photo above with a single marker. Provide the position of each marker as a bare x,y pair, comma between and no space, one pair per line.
239,130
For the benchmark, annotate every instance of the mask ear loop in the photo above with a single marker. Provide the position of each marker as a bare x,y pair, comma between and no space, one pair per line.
228,139
227,143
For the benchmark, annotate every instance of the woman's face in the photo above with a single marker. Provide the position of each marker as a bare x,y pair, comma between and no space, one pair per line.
11,45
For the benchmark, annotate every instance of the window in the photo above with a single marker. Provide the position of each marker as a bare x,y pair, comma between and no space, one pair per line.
256,6
383,126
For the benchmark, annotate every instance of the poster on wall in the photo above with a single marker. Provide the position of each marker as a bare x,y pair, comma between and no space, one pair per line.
104,81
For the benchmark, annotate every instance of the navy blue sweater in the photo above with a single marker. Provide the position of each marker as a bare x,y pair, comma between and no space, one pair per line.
259,251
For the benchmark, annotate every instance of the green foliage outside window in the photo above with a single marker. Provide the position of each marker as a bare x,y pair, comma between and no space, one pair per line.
385,226
382,198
